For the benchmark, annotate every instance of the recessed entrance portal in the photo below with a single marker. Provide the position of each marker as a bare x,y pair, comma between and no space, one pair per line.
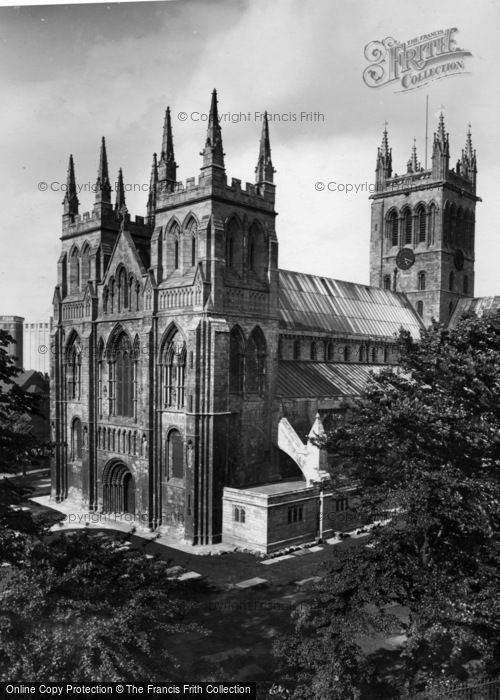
118,489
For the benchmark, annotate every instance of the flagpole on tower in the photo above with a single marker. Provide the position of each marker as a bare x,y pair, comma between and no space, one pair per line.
426,127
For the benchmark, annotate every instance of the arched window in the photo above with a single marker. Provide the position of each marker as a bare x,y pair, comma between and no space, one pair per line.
408,227
236,360
175,455
229,251
74,370
466,285
255,365
251,254
422,225
347,353
122,378
296,349
122,290
330,352
193,251
387,282
76,439
362,353
74,271
86,263
421,281
420,308
393,228
174,375
373,354
176,254
451,281
314,350
432,222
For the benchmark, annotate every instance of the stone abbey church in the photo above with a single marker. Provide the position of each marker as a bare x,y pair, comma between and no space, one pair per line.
188,369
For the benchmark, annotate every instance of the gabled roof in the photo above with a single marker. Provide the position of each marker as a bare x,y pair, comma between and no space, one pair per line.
311,303
323,379
479,306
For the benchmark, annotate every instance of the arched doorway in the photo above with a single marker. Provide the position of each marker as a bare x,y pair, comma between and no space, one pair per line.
118,489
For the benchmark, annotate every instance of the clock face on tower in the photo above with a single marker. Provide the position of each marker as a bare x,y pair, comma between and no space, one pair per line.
405,258
458,259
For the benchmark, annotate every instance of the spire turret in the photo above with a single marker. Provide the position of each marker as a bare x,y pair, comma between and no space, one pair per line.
413,164
167,170
467,165
383,168
120,194
103,186
153,181
440,151
70,201
264,172
213,154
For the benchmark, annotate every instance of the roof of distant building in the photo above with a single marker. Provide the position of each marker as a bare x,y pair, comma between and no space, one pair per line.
480,306
308,302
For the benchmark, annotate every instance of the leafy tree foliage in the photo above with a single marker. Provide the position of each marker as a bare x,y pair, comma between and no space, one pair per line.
85,608
423,445
16,440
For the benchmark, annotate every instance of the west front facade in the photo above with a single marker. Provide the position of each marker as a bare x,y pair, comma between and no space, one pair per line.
188,369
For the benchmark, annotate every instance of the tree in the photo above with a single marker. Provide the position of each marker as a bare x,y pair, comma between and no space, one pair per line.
16,440
423,444
82,607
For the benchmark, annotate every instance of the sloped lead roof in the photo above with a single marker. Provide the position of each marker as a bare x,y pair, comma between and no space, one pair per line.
323,379
311,303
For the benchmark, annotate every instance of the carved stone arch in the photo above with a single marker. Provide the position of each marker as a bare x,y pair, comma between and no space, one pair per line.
114,338
118,488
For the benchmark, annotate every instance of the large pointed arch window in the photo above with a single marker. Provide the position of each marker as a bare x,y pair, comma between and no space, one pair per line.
255,366
174,372
86,263
74,370
234,245
122,378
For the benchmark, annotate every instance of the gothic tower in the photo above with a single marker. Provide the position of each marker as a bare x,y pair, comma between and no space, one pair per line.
422,227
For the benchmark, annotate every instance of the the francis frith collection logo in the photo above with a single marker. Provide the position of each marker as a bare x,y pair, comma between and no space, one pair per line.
414,63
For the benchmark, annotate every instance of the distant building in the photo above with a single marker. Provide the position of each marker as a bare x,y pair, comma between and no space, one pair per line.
14,326
36,341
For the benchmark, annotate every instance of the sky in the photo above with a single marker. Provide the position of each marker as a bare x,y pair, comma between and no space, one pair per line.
70,74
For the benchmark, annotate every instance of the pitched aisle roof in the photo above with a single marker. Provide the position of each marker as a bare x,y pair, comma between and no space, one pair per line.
311,303
323,379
